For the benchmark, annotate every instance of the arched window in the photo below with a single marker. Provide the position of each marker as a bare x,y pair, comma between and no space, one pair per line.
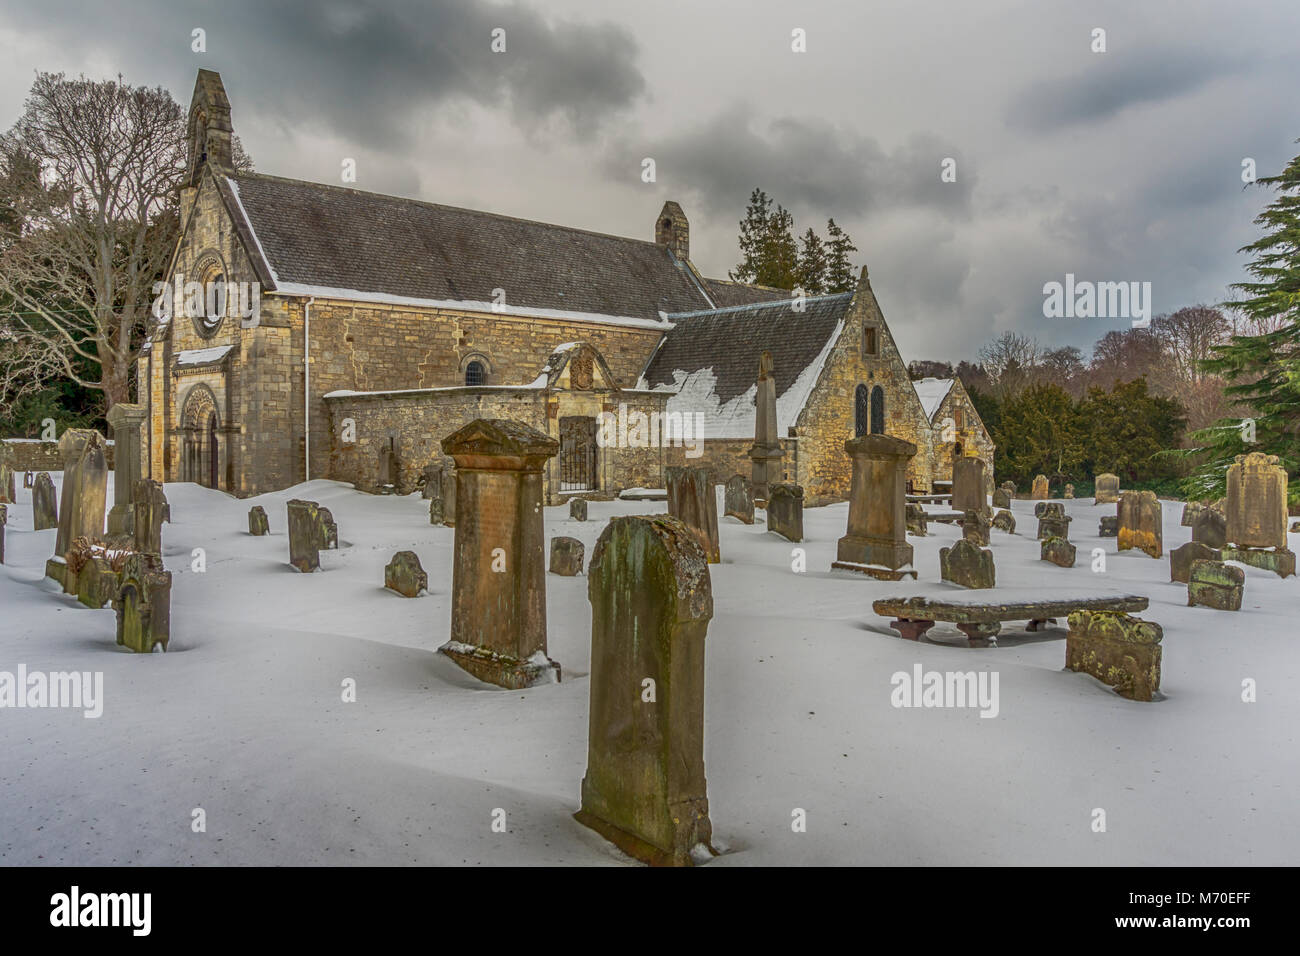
861,411
475,373
877,411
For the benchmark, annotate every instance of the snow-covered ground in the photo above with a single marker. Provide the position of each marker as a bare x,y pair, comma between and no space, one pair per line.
244,717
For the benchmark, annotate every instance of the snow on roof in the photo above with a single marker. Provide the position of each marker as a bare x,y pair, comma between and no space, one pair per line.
202,356
932,392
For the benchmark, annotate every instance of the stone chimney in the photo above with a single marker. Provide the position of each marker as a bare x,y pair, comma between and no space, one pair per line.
672,230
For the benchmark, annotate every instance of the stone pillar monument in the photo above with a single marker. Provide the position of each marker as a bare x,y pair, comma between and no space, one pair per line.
968,486
876,542
498,603
127,421
85,487
766,452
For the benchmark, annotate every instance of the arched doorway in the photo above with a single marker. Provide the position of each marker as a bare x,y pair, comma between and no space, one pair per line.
200,425
861,411
213,455
877,411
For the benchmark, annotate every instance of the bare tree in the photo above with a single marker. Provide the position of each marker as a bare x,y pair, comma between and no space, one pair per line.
1010,361
1191,334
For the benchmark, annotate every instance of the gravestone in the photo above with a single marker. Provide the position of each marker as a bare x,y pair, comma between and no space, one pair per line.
967,564
1040,488
766,453
1141,523
1054,522
1069,491
45,505
651,602
578,509
1295,527
404,575
85,488
1117,649
435,510
1210,528
126,421
1058,551
306,538
498,601
876,539
96,582
149,510
567,555
691,499
1191,511
1108,526
1216,585
785,510
1106,489
1010,488
431,481
738,498
143,602
968,484
1180,560
975,527
1255,514
329,531
917,520
8,492
1005,521
1280,561
448,497
258,524
1001,499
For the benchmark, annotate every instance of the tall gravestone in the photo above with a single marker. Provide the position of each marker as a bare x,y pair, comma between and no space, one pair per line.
85,489
765,453
692,499
1141,523
968,486
431,481
306,535
738,498
876,539
143,602
1040,488
1106,489
1210,528
498,605
8,490
651,602
149,510
45,503
1255,513
126,421
785,511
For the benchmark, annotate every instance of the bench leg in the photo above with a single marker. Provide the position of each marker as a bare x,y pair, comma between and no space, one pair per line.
1037,625
981,635
911,630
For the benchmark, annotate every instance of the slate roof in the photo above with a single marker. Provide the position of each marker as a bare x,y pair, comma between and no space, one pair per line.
726,293
328,236
730,341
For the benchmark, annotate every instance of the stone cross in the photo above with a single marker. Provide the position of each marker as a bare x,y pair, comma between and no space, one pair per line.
651,602
1141,523
126,421
968,485
876,540
149,510
766,453
785,511
498,602
692,499
45,503
85,488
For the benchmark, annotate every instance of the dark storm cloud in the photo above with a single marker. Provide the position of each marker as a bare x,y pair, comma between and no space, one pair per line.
804,162
367,68
1114,82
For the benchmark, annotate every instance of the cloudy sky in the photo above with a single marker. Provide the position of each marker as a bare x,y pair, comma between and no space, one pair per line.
1122,165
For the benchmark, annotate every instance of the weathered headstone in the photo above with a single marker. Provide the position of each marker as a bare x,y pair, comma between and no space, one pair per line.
1106,489
1069,491
1216,585
1117,649
567,555
766,453
691,498
329,531
1058,551
45,505
968,485
1295,527
1191,511
917,520
1280,561
1256,514
967,564
1180,560
258,524
85,488
876,539
975,527
1010,488
1141,523
143,604
404,575
8,493
96,582
305,538
148,512
738,498
1001,499
448,497
431,481
498,605
1005,521
785,510
651,602
1054,522
1040,488
1210,528
1108,526
578,509
126,421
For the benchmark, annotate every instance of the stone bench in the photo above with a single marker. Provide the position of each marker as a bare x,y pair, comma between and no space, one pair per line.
980,618
928,499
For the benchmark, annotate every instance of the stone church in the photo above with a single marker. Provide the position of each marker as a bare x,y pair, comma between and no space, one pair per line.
388,323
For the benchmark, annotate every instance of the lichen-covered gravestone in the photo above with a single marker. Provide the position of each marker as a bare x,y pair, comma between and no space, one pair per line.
876,539
738,498
1069,491
305,535
329,531
1053,522
1106,490
975,527
1117,649
1039,490
1180,560
8,492
1058,551
1216,585
651,602
149,510
1141,523
431,481
692,499
498,601
785,510
448,497
1005,521
968,565
404,575
968,485
1191,511
567,555
578,509
85,488
1108,526
45,505
1256,514
1001,499
143,604
917,520
1210,528
258,523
